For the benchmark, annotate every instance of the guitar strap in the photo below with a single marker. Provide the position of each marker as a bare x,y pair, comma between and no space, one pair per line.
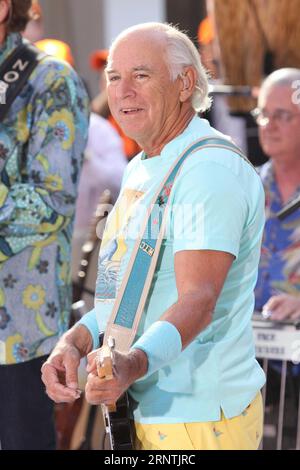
14,73
129,305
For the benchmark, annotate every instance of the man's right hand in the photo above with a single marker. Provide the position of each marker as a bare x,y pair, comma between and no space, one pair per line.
283,307
60,371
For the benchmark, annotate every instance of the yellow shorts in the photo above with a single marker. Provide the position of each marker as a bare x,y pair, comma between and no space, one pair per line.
243,432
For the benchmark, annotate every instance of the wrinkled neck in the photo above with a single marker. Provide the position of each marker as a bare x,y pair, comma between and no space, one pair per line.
168,133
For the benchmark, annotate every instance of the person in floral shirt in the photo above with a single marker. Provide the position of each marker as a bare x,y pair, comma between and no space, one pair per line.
278,116
42,140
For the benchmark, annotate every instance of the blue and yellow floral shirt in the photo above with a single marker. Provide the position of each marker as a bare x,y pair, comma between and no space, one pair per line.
279,268
42,140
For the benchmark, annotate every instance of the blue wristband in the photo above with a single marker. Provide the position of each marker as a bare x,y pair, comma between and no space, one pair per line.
89,320
162,344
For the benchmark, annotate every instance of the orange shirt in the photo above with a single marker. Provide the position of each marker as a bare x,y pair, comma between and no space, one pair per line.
131,148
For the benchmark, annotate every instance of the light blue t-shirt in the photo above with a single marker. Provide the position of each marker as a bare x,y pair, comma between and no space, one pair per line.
217,203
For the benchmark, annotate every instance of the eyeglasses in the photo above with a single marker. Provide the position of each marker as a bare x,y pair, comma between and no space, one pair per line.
281,116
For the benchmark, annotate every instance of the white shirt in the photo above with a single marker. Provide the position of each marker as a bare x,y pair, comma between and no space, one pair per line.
103,168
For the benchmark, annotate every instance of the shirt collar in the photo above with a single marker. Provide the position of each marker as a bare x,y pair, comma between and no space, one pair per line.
197,128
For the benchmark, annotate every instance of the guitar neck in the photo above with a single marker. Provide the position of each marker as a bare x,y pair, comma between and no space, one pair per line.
118,425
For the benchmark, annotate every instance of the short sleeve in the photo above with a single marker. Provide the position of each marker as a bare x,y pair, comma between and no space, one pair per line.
209,208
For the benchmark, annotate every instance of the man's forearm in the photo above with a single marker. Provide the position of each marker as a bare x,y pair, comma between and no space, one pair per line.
191,314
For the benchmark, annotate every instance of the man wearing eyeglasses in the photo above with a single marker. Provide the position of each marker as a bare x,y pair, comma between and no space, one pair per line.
278,119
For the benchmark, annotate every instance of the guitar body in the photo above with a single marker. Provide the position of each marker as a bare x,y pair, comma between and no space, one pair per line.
119,426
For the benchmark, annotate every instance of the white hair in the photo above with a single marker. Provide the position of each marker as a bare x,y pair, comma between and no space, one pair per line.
181,53
289,77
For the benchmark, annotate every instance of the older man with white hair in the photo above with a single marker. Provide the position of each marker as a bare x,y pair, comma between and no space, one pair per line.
278,117
191,370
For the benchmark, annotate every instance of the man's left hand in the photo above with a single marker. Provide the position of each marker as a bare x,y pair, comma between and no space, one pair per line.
126,369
